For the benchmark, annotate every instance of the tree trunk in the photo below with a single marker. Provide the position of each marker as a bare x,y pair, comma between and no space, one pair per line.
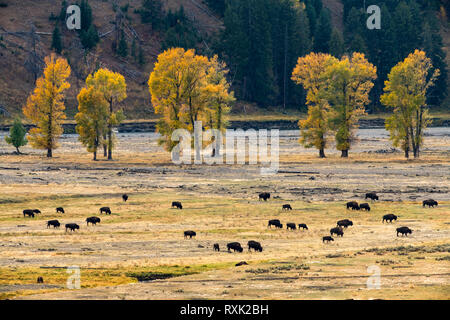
110,131
18,152
49,153
407,153
321,153
95,155
344,153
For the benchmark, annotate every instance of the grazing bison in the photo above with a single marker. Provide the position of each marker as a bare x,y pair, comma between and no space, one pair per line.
327,238
389,217
53,223
287,207
429,203
364,206
60,209
242,263
216,247
72,226
92,220
344,223
353,205
371,195
275,222
177,204
36,211
303,226
404,231
28,212
236,246
264,196
125,197
337,231
254,245
40,280
106,210
291,225
189,234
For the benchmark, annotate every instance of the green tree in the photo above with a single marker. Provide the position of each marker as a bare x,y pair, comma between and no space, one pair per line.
152,12
336,44
17,135
323,31
122,48
56,40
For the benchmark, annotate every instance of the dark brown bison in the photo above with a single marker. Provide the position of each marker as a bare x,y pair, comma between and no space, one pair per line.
291,226
60,209
371,195
216,247
327,238
430,203
353,205
254,245
275,222
53,223
40,280
189,234
105,210
264,196
177,205
125,197
28,212
36,211
404,231
338,231
72,226
287,207
389,217
344,223
364,206
303,226
236,246
92,220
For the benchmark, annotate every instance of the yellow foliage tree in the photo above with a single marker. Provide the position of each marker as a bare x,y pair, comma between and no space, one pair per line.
113,88
45,106
349,82
405,91
309,73
92,118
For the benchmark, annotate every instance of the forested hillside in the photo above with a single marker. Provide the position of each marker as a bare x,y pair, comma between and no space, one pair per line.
260,40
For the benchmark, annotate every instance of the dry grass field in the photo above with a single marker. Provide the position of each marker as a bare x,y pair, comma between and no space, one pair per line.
138,252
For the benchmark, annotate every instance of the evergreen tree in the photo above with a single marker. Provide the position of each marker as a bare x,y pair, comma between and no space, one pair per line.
122,48
336,44
17,135
152,12
56,40
141,57
322,35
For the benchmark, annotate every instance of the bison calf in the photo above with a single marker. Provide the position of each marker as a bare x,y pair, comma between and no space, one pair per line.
404,231
216,247
287,207
189,234
60,209
236,246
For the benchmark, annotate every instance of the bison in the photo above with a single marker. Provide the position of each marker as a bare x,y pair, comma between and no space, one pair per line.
216,247
364,206
105,210
60,209
287,207
254,245
371,195
353,205
303,226
177,204
92,220
404,231
189,234
36,211
344,223
40,280
430,203
53,223
337,231
236,246
276,223
72,226
389,217
327,238
125,197
28,212
264,196
291,225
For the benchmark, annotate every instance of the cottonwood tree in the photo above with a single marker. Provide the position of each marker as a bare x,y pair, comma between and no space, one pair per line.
113,88
45,106
405,92
92,118
349,82
309,73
